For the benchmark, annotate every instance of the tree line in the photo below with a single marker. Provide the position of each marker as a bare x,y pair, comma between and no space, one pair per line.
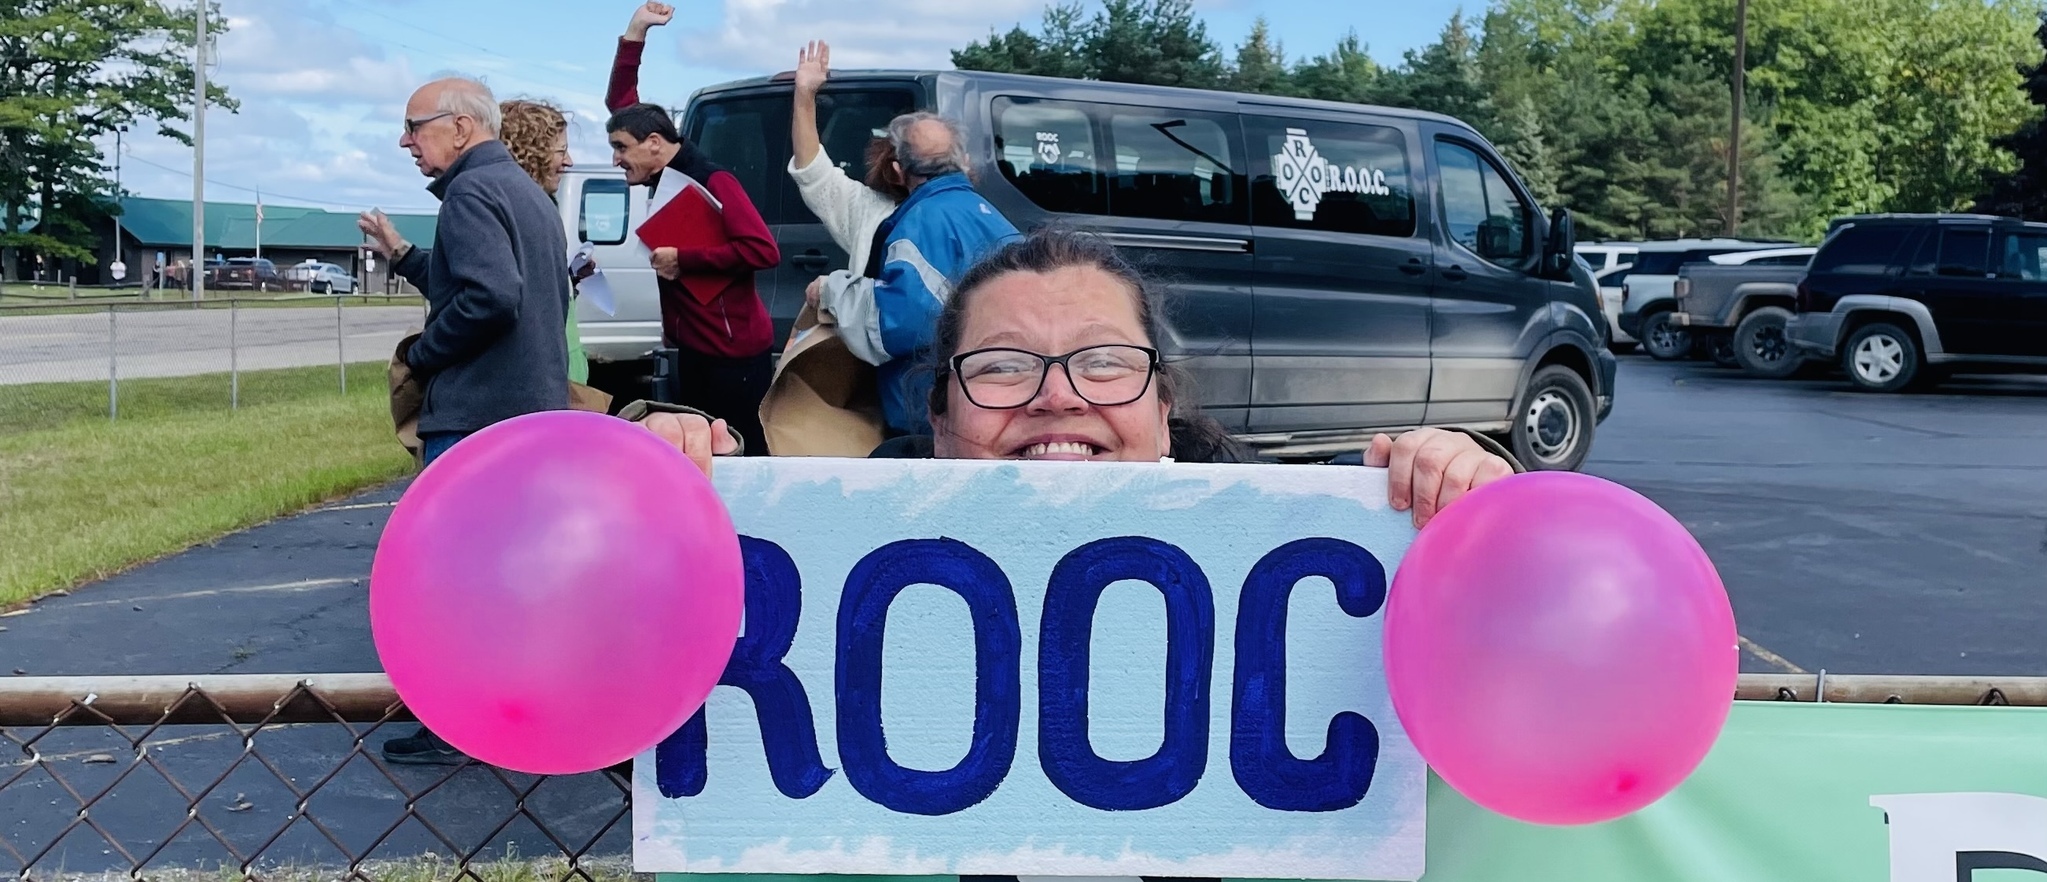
71,73
1620,110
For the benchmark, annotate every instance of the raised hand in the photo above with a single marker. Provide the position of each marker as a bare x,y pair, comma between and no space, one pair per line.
813,66
652,14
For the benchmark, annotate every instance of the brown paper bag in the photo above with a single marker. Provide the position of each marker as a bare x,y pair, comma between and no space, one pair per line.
583,397
407,397
823,400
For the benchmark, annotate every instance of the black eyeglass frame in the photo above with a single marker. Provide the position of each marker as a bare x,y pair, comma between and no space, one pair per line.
1152,364
412,126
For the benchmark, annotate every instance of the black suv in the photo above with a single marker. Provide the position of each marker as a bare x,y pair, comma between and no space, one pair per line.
1904,300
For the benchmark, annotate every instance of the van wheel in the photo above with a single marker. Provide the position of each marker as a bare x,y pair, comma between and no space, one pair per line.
1761,347
1882,358
1663,340
1553,425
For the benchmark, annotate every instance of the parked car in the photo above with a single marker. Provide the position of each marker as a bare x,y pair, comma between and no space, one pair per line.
247,273
1743,301
1607,256
321,278
1647,297
1399,273
1610,282
1905,300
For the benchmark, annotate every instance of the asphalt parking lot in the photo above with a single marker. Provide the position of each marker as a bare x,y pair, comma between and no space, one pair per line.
1856,533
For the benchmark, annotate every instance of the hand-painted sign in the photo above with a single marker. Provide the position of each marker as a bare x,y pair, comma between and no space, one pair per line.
1048,669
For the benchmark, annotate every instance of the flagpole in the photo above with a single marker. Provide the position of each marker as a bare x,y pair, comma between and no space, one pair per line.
259,225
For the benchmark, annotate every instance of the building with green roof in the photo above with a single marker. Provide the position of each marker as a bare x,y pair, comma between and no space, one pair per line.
158,233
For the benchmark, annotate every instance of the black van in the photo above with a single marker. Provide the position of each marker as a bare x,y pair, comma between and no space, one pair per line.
1341,269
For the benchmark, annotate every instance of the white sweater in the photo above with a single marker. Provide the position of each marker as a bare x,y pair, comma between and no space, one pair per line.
849,209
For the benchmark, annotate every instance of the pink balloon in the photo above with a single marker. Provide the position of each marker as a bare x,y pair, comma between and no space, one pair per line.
1559,649
557,593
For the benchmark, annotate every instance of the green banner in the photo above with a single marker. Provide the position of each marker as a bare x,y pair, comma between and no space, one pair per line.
1792,792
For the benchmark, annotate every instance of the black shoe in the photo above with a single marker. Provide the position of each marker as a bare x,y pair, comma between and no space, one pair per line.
422,748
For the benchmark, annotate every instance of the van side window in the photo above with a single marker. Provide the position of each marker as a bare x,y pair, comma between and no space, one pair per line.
1174,166
1481,211
847,122
602,218
1048,150
1335,177
749,136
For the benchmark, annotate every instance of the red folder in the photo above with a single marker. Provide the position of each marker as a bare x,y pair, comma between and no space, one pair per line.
690,221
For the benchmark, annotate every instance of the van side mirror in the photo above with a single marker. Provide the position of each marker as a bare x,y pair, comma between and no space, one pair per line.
1561,245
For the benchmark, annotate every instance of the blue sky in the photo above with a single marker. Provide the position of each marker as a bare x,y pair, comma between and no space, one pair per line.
322,84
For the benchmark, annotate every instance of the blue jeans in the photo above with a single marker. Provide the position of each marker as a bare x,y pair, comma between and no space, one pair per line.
432,445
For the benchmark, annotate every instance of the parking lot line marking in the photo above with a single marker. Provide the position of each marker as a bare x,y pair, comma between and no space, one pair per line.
366,505
305,585
1768,657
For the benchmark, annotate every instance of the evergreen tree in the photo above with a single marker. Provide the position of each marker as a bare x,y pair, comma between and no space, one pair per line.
1261,65
2022,192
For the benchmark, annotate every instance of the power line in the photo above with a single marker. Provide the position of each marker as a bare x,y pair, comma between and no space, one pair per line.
352,206
454,60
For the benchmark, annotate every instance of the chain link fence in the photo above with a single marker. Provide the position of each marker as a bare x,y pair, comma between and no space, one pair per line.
234,349
274,777
278,777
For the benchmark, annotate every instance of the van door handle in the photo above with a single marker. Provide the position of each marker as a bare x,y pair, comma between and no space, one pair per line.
1414,267
813,260
1455,273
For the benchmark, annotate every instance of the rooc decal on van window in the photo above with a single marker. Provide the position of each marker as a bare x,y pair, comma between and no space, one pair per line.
1304,177
1048,148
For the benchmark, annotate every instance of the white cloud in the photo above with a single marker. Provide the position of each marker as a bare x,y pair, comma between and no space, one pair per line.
292,48
763,35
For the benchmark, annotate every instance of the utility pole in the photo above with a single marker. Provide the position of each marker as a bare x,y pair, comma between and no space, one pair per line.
1734,129
198,270
120,267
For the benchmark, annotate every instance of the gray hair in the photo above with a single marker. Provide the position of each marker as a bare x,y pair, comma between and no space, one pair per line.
473,99
952,161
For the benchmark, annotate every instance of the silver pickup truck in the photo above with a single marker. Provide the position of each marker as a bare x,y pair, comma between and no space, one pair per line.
1746,306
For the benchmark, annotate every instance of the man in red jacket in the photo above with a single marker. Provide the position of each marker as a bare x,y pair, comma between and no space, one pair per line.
724,366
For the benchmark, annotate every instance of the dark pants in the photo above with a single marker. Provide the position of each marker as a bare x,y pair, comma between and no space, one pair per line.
730,389
433,444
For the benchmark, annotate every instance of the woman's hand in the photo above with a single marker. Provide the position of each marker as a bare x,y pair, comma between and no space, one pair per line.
813,66
697,438
1430,468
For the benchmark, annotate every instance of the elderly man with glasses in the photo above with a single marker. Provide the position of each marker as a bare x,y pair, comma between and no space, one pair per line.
497,289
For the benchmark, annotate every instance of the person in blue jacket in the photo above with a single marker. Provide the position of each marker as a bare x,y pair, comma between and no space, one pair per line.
887,315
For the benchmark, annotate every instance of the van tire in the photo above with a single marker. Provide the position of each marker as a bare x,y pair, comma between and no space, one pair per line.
1553,421
1883,357
1761,346
1662,340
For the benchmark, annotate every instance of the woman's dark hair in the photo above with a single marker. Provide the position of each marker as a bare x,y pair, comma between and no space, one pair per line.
881,152
1195,437
643,120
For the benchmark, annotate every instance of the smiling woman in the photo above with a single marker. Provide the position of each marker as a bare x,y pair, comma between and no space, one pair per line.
1067,303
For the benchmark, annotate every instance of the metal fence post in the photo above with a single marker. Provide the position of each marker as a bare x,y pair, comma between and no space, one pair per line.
234,361
113,365
340,353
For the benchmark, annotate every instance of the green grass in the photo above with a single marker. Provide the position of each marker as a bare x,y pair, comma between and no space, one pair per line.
18,300
83,497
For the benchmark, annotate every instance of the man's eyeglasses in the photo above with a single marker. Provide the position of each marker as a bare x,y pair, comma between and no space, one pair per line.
412,125
1104,376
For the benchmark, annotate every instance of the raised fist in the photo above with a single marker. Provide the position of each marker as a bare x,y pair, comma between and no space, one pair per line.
650,15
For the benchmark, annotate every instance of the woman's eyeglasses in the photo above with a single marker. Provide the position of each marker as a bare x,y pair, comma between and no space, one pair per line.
1104,376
